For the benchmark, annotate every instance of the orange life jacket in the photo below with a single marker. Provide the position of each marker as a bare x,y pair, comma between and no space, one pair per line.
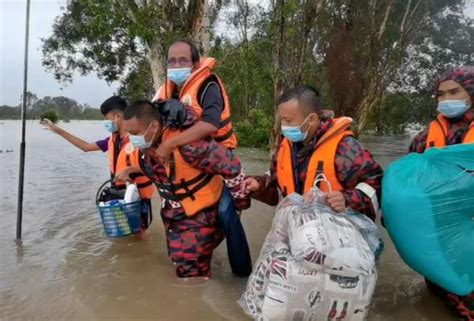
127,156
193,188
189,96
438,133
322,160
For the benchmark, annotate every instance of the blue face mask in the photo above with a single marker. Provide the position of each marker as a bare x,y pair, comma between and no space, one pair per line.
179,75
111,126
453,108
138,141
294,133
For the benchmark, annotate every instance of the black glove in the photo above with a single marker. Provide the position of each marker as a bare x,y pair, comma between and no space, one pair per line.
172,111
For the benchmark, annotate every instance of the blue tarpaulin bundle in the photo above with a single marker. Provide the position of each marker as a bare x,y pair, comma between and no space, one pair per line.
428,210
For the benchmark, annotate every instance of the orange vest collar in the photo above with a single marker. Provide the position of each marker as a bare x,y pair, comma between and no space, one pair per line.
438,133
322,160
205,67
204,70
128,156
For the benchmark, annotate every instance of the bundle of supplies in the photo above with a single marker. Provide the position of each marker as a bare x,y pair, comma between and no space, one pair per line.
315,264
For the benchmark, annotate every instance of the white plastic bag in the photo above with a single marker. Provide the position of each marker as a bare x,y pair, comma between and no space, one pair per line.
131,194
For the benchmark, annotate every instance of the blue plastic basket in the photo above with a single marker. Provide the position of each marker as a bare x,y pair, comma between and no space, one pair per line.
120,219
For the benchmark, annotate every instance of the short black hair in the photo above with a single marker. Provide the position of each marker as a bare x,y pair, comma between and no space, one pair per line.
114,103
143,110
308,98
195,50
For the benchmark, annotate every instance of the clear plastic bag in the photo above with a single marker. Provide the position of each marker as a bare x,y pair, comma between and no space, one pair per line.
315,264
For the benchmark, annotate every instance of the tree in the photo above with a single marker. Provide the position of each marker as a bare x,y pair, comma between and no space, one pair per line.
114,38
64,107
448,43
31,99
360,54
353,51
365,43
290,29
357,46
243,60
138,83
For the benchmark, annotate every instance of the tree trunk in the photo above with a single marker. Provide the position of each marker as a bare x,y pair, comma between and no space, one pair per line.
200,31
366,107
278,65
156,58
372,97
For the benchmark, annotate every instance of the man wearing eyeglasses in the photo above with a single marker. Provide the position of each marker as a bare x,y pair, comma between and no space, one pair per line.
190,79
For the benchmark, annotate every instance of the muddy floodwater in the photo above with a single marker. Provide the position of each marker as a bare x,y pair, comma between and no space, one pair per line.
65,269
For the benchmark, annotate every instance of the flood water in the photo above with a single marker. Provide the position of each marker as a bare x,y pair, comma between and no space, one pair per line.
65,269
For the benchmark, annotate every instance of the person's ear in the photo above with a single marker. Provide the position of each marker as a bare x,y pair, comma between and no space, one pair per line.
314,120
156,127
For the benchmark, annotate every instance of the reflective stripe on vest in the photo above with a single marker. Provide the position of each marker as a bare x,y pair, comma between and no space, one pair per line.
438,133
128,156
189,96
322,160
193,188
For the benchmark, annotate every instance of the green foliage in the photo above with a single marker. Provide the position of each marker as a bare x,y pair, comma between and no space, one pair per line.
447,43
255,130
89,113
397,110
116,39
7,112
51,115
63,107
337,50
247,77
138,84
352,51
95,31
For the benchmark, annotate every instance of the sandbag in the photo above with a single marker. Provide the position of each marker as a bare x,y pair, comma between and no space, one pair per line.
428,210
315,264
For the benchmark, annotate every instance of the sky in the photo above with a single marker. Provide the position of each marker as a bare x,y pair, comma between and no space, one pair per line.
88,89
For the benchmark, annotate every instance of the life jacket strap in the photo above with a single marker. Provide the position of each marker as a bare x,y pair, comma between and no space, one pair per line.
224,137
170,194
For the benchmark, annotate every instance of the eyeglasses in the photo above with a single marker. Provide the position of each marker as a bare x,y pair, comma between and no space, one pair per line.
179,62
